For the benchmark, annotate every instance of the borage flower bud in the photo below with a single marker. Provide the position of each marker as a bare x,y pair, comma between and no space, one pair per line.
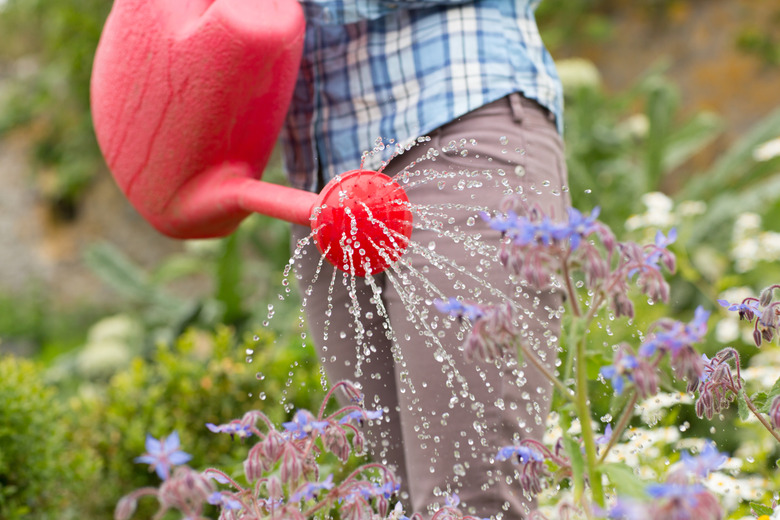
292,467
125,508
359,443
187,490
274,487
272,445
774,412
257,462
704,405
382,506
622,305
687,363
645,379
335,440
765,298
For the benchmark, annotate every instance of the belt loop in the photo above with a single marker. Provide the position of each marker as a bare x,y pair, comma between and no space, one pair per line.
516,104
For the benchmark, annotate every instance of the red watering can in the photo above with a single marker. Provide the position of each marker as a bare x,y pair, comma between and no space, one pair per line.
188,97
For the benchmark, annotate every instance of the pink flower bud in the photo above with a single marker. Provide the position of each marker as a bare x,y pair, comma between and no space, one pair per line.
774,413
125,508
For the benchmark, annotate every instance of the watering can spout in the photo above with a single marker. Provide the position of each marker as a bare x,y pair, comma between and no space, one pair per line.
188,98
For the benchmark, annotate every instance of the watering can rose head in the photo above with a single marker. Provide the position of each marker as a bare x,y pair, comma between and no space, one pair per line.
362,222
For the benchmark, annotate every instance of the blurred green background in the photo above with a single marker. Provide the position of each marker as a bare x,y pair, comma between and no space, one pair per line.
109,331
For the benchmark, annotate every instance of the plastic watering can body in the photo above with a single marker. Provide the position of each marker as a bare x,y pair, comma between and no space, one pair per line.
188,98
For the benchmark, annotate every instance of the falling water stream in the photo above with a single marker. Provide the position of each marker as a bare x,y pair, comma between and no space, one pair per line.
411,278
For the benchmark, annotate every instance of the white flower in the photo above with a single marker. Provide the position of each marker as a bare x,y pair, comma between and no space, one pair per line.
658,214
691,208
727,330
636,126
732,490
654,408
576,73
767,150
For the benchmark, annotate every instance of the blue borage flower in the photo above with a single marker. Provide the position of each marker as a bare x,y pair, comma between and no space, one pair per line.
683,492
658,253
303,424
747,309
524,454
162,454
705,462
604,439
523,231
626,509
361,415
224,500
676,335
532,468
310,490
620,371
455,307
374,489
234,428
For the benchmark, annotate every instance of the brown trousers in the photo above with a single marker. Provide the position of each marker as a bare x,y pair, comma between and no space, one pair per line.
445,418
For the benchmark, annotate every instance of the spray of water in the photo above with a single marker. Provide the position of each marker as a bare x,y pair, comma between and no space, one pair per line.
451,411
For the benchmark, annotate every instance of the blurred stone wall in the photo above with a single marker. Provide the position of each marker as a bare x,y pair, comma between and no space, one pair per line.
700,40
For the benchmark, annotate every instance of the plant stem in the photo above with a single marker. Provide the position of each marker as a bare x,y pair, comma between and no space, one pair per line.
531,356
760,417
588,439
617,432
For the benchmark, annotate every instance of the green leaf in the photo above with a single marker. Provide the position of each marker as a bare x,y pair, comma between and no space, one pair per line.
577,465
229,279
624,480
117,270
744,412
760,509
759,399
723,208
773,392
730,167
690,139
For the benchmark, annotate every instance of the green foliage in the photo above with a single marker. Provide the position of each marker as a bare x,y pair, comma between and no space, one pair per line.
57,40
615,156
69,454
42,476
201,378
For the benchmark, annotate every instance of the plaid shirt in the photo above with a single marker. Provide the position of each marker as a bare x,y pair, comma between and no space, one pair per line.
402,68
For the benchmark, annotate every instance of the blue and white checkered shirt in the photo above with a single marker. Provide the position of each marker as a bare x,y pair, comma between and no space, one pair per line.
402,68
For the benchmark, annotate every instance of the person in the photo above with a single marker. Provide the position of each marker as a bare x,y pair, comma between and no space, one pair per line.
474,78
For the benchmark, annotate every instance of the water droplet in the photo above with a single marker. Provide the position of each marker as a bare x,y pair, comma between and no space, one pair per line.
519,171
503,140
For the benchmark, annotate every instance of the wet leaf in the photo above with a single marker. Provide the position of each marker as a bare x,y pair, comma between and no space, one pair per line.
743,410
624,480
773,392
760,509
577,465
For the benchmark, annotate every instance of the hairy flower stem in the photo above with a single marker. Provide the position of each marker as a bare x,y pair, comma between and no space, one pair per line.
617,432
571,292
588,439
760,417
529,355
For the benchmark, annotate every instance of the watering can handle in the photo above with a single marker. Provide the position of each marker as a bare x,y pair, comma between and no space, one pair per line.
188,97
